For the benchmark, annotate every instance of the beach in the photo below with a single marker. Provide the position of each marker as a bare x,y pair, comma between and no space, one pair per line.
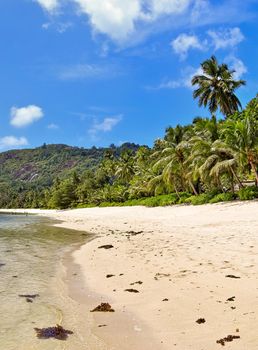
162,269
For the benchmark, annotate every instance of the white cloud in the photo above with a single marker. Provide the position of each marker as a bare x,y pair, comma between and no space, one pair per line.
185,81
166,7
185,42
53,126
83,71
49,5
118,19
106,125
12,141
225,39
25,116
60,27
112,17
237,65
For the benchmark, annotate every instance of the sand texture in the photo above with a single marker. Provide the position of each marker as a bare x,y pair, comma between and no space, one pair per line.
163,269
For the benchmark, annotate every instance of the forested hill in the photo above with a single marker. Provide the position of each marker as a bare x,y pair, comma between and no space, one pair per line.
36,169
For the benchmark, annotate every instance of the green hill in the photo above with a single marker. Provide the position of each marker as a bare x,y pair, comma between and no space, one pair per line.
37,169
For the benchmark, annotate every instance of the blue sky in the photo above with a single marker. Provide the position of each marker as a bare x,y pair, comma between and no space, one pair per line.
96,72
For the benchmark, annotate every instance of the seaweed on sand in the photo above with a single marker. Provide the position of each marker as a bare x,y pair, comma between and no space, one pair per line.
57,332
103,307
106,246
227,339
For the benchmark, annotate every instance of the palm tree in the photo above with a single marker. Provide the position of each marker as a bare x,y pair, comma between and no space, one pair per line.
242,136
216,87
212,160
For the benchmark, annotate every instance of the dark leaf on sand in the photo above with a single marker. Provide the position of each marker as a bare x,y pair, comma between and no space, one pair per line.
130,290
107,246
103,307
227,339
231,299
31,296
232,276
138,282
57,332
109,276
201,320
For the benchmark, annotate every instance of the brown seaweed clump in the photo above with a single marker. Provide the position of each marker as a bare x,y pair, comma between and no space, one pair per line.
201,320
57,332
103,307
227,339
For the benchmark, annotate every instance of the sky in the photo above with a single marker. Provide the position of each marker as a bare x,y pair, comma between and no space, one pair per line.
96,72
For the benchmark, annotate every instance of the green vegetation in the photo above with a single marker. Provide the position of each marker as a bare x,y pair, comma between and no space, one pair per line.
207,161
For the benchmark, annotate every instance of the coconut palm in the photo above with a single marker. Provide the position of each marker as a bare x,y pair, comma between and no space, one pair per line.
242,136
216,87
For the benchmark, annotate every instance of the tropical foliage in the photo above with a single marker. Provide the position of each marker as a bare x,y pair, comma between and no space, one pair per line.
207,161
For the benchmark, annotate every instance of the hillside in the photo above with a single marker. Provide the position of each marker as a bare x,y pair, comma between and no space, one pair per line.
36,169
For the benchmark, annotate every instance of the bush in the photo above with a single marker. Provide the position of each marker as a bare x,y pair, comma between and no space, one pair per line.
223,197
201,198
248,193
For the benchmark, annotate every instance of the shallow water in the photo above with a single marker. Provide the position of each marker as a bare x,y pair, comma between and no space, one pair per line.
31,252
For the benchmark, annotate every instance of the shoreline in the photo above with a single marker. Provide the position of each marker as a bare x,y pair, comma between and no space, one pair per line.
182,256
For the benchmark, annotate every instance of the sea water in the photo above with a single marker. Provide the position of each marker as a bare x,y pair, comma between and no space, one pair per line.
31,253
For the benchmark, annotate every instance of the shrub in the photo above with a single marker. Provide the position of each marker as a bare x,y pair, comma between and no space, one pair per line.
201,198
223,197
248,193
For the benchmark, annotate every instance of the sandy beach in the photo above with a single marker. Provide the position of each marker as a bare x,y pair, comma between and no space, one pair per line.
162,269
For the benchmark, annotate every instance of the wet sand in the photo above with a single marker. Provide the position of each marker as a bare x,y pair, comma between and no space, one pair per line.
180,264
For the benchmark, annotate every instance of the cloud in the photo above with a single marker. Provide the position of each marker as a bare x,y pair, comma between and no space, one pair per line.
129,22
169,6
119,19
25,116
185,42
237,65
49,5
60,27
225,39
12,141
106,125
53,126
84,71
185,81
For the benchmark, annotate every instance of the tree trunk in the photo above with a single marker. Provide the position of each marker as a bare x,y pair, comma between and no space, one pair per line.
237,178
255,172
193,188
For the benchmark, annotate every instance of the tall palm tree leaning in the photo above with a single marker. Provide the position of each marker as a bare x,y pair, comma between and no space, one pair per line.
216,87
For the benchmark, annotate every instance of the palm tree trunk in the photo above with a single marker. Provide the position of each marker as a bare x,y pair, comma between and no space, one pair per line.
193,188
255,172
176,191
236,177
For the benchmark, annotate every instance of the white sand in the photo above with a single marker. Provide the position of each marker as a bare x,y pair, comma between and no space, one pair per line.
184,255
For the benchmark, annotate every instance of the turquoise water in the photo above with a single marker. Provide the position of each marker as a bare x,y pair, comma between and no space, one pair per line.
31,253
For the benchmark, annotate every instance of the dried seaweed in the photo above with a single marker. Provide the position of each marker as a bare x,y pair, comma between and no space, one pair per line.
30,296
233,276
57,332
227,339
131,290
106,246
103,307
201,320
